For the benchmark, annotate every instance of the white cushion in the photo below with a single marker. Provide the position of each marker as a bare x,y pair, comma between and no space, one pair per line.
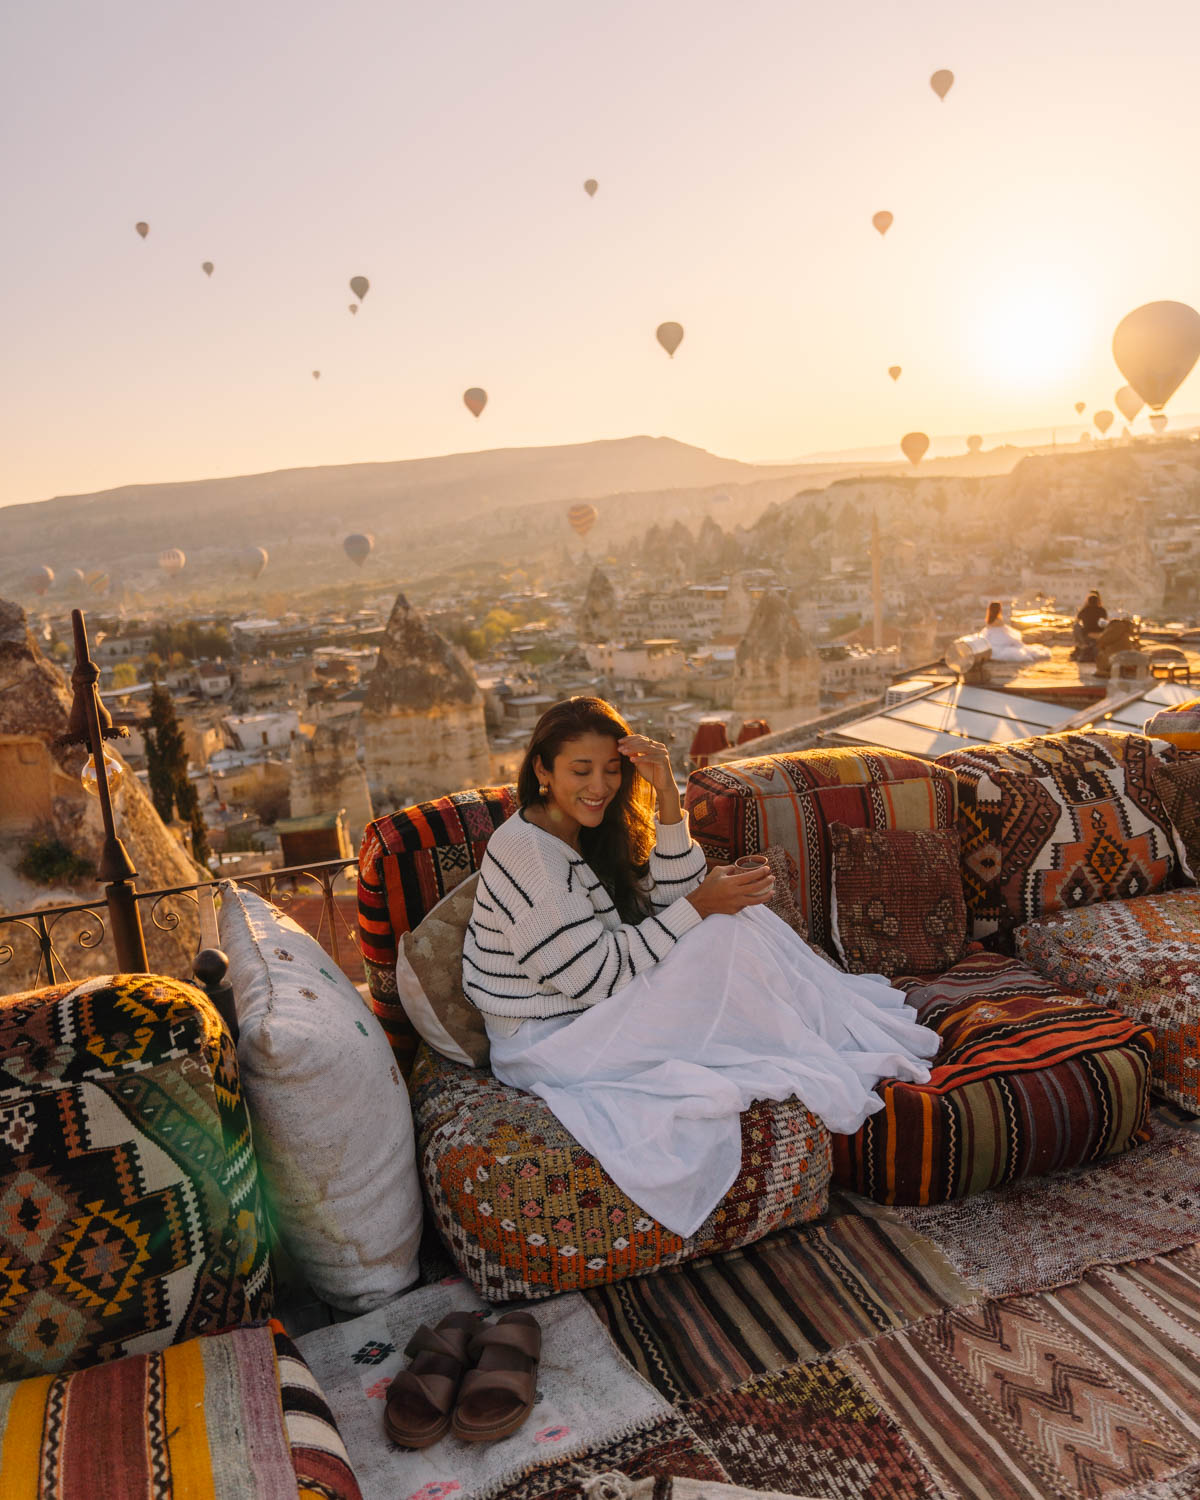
332,1126
429,980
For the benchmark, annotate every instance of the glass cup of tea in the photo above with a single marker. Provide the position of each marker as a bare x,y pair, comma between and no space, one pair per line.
752,862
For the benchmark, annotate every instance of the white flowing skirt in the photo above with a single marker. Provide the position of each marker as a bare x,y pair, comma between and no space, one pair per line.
652,1080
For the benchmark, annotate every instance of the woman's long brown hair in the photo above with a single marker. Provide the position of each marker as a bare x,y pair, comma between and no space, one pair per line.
618,850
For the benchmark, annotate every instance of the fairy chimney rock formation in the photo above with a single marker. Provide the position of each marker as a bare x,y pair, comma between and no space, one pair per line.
326,775
599,617
777,673
423,724
43,804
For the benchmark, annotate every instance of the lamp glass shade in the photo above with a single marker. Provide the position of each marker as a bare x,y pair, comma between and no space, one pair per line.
113,769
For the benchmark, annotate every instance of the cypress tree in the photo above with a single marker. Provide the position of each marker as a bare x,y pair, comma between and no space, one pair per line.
167,766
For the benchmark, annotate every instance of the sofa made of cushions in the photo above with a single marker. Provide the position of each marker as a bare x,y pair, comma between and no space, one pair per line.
130,1210
524,1210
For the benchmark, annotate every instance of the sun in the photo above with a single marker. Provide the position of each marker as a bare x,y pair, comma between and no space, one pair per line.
1028,334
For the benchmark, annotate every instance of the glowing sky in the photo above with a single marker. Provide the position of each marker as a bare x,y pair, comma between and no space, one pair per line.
441,149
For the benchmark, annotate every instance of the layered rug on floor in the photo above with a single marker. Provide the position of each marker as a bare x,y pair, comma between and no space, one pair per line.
1040,1341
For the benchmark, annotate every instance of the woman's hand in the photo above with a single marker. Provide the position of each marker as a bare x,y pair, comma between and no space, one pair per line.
652,761
726,890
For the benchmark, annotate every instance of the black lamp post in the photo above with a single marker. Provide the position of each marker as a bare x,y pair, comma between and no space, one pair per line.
91,724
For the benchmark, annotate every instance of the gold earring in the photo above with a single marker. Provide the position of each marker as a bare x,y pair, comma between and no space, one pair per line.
544,788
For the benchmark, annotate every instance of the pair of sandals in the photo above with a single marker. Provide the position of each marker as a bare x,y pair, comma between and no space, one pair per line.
478,1381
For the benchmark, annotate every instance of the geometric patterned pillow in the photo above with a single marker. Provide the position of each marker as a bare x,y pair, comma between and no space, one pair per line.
130,1214
1058,822
1179,787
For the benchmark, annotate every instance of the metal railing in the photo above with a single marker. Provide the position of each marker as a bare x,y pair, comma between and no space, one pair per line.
287,888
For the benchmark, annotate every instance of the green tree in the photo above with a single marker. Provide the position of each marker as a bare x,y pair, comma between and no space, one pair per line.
124,674
167,765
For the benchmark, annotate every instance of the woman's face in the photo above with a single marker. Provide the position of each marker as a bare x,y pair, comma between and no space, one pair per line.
584,779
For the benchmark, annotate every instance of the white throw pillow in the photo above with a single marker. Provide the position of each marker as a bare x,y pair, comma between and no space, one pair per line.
429,980
332,1125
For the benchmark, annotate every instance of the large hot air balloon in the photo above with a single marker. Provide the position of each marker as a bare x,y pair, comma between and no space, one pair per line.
172,561
882,221
590,187
1158,420
354,309
252,562
142,228
360,286
914,446
942,82
207,267
358,547
1080,408
974,443
475,400
1155,347
582,518
1103,421
670,336
894,371
1128,402
40,580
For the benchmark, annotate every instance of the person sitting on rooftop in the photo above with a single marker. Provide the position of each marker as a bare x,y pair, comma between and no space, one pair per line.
1087,627
1004,643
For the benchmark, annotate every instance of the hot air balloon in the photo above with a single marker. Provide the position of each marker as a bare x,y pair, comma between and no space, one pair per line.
942,82
207,267
77,579
252,562
1080,408
590,187
670,336
142,228
40,580
98,583
358,547
1103,421
354,309
894,371
360,286
316,374
1155,347
882,221
475,400
974,443
582,518
1128,402
1158,420
172,561
914,445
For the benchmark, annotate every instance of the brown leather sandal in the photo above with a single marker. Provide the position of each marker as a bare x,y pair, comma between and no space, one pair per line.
420,1400
498,1394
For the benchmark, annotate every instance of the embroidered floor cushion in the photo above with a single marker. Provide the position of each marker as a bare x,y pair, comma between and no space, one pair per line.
1058,822
237,1414
1141,957
1028,1080
527,1212
1179,726
408,861
791,800
130,1214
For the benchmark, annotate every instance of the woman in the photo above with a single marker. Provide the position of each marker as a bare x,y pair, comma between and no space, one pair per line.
1005,643
647,1001
1088,626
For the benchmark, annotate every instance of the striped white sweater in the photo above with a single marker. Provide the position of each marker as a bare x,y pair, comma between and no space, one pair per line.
544,936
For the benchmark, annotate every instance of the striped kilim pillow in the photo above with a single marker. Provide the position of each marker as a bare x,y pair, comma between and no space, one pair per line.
791,800
1028,1080
1179,726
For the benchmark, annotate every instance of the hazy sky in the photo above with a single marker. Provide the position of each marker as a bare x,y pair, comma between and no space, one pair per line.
440,149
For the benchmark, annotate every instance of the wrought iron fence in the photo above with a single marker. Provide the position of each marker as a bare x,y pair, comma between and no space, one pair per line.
59,930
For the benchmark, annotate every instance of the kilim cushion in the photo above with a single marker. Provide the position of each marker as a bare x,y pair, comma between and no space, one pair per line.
1057,822
792,800
429,980
1143,957
1028,1080
527,1212
1179,726
1179,787
897,899
236,1414
130,1215
408,862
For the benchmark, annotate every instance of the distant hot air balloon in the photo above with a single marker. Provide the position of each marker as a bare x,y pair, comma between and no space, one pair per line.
582,518
172,561
354,309
1158,420
1128,402
360,286
942,82
358,546
882,221
142,228
914,445
253,561
207,267
475,400
98,583
1155,347
590,187
77,579
974,443
316,374
894,371
1080,408
40,580
670,336
1103,421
